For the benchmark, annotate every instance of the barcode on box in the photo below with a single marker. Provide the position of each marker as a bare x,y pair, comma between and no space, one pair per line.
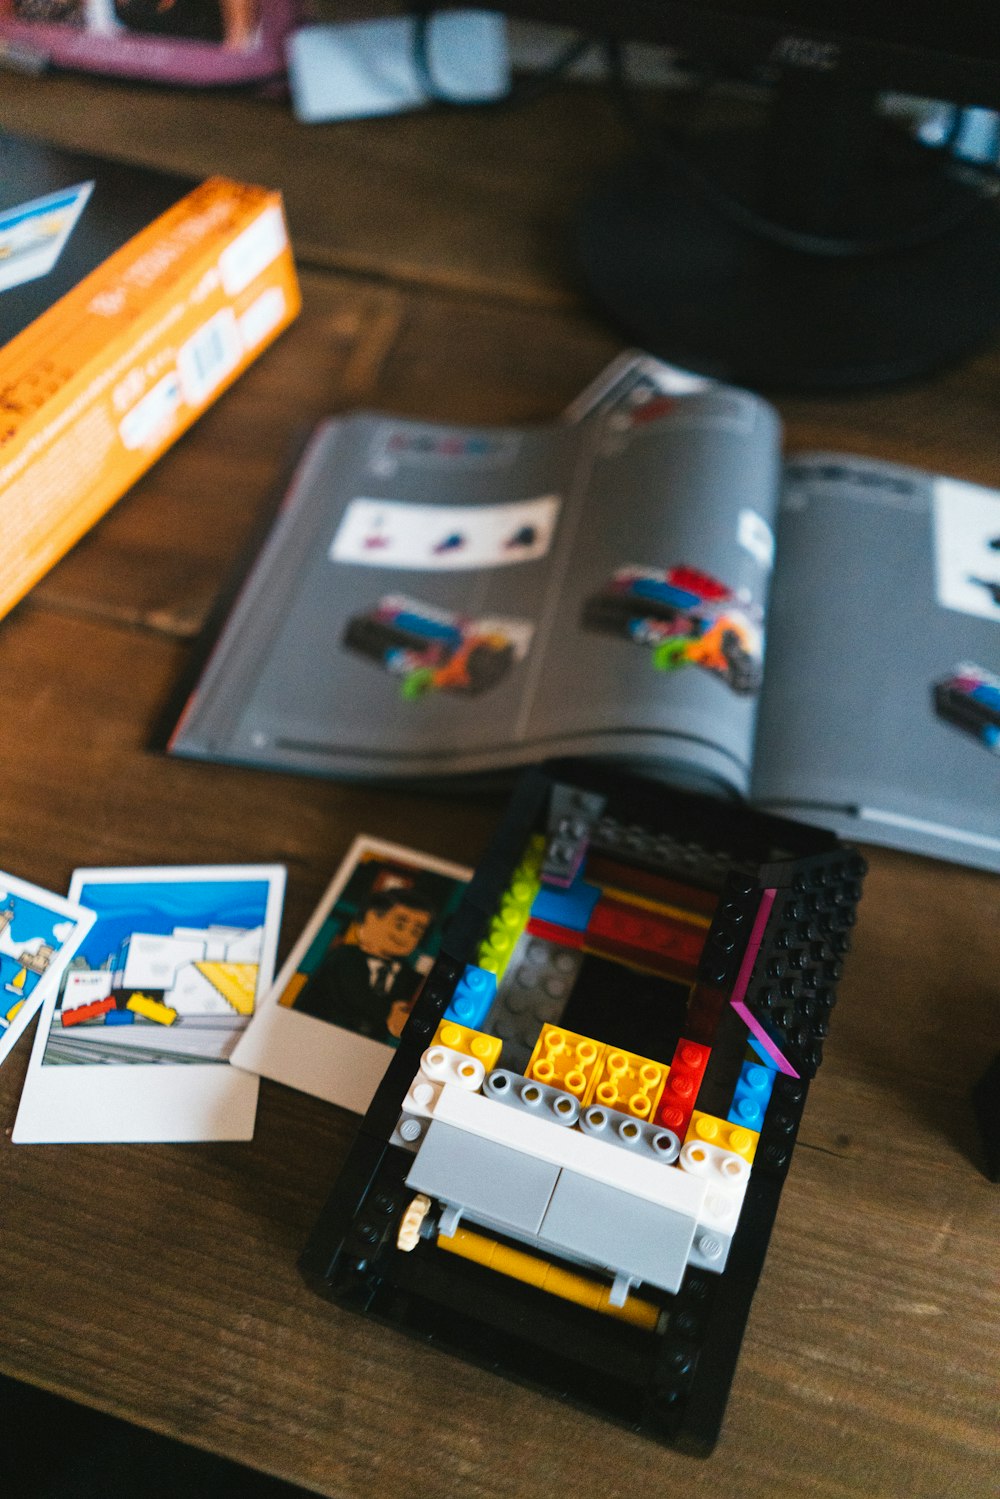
252,251
262,316
209,356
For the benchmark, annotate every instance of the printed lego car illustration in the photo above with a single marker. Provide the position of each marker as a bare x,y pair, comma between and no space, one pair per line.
687,618
969,698
581,1141
434,650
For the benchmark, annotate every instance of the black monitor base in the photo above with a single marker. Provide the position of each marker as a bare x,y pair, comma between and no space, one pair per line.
683,279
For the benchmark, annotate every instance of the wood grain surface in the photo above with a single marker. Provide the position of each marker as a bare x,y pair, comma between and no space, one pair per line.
159,1282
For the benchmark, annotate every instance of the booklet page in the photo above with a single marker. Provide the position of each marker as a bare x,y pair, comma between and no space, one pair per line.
881,712
439,601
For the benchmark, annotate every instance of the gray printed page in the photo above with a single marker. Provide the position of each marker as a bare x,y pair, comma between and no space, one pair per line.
386,625
654,632
881,713
441,600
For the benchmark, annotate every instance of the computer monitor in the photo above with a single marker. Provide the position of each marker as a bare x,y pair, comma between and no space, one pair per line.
824,248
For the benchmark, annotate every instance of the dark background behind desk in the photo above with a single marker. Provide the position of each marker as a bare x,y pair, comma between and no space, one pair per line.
158,1283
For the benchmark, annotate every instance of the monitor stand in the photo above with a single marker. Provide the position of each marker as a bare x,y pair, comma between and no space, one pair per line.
685,279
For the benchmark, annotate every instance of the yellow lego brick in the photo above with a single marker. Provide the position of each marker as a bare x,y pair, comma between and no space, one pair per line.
629,1083
533,1270
236,982
565,1060
733,1137
151,1009
485,1049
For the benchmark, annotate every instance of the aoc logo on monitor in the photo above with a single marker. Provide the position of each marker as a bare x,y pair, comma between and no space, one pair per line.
806,52
32,235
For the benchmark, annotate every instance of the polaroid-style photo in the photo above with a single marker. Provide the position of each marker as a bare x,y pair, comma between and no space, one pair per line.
39,934
329,1025
135,1044
33,235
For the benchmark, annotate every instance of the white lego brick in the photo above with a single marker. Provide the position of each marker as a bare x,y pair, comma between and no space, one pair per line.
725,1175
571,1149
442,1065
439,1065
720,1212
422,1095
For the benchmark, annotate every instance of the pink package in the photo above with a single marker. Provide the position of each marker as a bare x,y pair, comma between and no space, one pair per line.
173,41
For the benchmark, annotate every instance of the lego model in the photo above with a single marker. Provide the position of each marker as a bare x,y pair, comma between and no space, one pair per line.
969,698
571,1169
434,650
687,618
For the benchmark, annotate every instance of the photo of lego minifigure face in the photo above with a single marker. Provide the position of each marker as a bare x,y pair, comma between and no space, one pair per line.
367,963
395,932
345,993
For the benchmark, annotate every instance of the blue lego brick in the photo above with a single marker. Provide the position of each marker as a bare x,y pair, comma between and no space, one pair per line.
751,1095
570,908
986,694
664,593
433,629
761,1052
120,1017
474,994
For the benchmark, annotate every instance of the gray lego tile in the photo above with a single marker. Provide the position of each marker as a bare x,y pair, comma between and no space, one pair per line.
487,1180
616,1230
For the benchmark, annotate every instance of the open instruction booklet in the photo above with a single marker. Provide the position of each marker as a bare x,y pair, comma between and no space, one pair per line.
436,601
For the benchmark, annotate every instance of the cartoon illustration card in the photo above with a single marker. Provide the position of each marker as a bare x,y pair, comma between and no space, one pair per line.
135,1044
32,235
338,1007
39,933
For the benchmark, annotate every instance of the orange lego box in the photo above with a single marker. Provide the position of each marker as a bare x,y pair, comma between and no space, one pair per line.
129,301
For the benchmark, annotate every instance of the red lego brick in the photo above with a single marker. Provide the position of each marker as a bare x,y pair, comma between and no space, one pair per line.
698,582
88,1012
603,870
680,1093
565,936
650,938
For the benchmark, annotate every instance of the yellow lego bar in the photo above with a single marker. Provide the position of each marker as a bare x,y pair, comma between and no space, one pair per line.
533,1270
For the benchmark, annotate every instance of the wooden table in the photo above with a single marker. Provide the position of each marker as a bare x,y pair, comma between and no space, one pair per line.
159,1283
